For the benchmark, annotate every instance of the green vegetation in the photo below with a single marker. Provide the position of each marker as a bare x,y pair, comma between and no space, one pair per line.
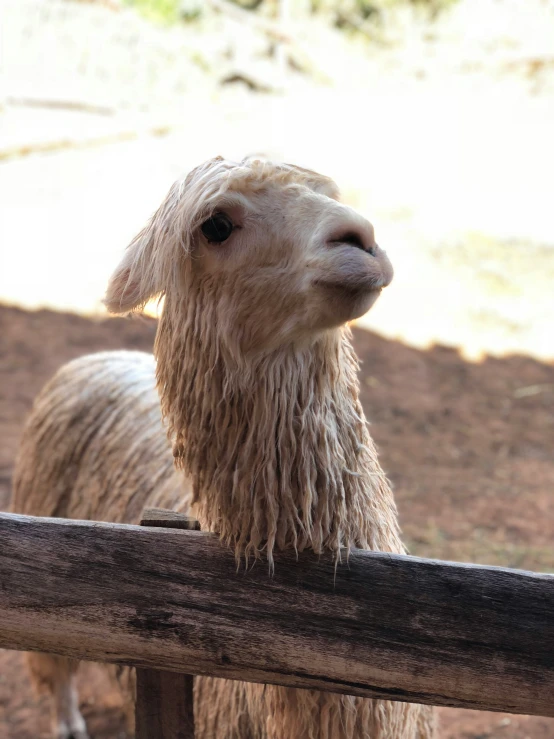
364,16
347,14
159,11
365,9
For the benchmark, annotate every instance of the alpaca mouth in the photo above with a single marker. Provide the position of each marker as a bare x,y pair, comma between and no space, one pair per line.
352,288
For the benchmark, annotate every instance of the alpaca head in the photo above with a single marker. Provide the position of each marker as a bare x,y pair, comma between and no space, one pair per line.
266,248
260,267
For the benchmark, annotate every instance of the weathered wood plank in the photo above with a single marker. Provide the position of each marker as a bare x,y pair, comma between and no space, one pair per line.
164,708
381,625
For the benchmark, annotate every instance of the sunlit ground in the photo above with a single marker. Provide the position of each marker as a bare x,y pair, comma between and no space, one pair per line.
453,167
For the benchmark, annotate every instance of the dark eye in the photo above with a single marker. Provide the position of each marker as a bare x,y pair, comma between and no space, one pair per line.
218,228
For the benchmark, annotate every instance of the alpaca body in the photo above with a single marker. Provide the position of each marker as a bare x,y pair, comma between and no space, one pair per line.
256,381
78,458
77,448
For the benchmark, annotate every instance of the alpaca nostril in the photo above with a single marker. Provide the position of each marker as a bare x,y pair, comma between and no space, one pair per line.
352,239
355,239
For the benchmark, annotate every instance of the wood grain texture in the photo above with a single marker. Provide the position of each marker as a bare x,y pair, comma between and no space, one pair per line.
164,708
380,626
164,705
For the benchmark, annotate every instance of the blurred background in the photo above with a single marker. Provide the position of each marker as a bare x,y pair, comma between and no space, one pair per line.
435,117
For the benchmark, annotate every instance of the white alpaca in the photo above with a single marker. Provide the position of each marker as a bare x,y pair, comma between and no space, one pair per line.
261,267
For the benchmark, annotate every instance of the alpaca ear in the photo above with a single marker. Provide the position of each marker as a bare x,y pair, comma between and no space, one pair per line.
131,287
143,271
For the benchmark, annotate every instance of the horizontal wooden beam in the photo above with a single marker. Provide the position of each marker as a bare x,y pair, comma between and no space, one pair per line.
379,625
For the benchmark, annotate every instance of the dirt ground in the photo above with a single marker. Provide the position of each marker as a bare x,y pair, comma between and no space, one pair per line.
468,447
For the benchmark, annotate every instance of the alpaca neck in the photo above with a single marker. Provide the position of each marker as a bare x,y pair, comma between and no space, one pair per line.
278,451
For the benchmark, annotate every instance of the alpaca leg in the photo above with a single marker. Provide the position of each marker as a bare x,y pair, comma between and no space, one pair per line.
124,680
428,725
56,675
67,721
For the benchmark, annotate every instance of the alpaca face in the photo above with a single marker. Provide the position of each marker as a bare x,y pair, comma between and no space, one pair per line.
267,247
285,263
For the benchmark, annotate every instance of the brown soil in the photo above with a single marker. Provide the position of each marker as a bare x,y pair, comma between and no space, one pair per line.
468,447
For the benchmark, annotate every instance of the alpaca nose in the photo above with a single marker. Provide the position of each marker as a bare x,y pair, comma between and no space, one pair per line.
360,236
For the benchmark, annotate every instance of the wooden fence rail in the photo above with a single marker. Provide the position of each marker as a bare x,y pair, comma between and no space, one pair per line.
381,625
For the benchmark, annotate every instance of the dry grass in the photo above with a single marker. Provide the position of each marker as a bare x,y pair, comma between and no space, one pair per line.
482,547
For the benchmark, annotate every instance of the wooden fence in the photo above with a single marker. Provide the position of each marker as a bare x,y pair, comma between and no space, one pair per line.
173,601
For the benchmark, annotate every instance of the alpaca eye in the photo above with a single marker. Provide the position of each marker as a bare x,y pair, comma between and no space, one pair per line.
218,228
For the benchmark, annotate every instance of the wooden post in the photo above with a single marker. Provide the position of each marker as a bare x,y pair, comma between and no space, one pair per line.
161,517
164,706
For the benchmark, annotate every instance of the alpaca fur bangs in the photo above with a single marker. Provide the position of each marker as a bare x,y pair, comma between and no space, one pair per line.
149,267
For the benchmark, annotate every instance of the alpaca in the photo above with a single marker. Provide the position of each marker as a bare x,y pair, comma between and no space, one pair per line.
261,268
